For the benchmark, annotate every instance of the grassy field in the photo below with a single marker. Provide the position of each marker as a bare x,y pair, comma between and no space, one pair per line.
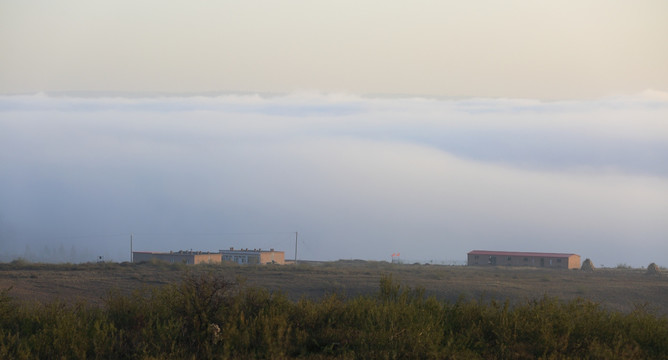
616,289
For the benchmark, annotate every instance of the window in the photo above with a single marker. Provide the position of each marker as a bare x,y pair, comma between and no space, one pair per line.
509,258
526,259
558,260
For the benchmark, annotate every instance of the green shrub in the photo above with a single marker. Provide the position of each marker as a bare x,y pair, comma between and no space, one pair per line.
207,317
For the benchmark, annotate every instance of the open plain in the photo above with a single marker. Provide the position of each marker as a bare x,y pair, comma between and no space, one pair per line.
619,289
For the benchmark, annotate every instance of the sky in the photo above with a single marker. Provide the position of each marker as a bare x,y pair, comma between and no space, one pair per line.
515,48
428,128
357,177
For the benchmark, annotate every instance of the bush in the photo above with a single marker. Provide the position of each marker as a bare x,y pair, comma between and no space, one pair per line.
205,316
653,269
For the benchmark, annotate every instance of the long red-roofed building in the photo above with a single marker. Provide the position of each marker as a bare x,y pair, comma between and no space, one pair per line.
515,258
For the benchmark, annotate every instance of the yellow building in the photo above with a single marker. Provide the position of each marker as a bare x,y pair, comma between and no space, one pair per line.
186,257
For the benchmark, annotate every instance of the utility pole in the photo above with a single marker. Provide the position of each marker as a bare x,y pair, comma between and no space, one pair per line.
296,235
132,255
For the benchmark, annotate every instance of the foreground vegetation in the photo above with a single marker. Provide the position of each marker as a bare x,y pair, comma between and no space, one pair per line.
208,316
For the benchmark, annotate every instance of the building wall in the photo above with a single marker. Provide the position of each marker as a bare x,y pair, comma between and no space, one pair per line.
242,257
190,258
208,258
272,257
558,262
574,262
253,256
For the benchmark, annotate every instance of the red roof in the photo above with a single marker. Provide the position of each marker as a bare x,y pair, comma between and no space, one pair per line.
519,253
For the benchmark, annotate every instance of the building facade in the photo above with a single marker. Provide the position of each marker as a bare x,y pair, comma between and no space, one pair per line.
186,257
253,256
533,259
241,256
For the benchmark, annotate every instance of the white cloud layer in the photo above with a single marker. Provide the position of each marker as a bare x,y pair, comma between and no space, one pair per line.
358,177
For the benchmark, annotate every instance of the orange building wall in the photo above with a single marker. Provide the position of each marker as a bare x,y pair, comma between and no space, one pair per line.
574,262
275,257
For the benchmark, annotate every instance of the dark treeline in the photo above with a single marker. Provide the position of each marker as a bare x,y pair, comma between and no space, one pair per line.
207,317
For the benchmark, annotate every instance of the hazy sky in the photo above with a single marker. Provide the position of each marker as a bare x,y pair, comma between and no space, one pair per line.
429,128
358,177
529,49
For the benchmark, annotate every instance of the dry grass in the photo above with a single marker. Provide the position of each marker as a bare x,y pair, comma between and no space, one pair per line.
617,289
